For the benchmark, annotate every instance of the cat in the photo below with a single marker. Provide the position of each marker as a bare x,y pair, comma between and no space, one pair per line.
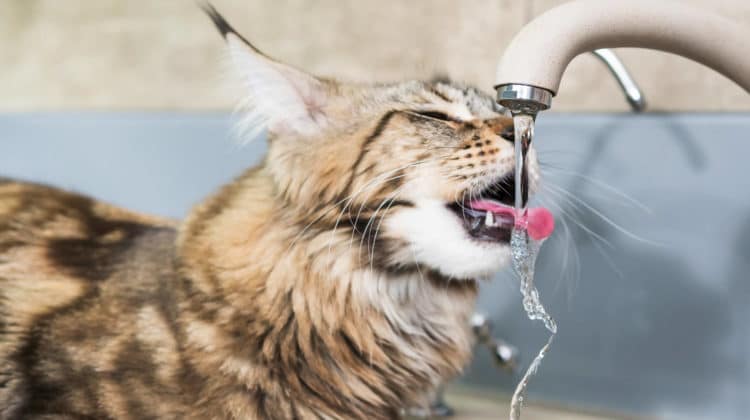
334,280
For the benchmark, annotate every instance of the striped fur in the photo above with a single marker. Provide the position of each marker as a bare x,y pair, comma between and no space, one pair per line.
327,282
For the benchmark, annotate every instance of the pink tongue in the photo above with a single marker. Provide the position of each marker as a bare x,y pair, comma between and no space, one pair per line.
539,221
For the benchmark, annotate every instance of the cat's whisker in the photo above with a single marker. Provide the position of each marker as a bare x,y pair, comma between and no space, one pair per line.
598,244
601,215
600,184
374,216
372,187
572,248
373,183
577,222
567,242
407,166
380,222
364,202
390,198
463,198
416,263
610,262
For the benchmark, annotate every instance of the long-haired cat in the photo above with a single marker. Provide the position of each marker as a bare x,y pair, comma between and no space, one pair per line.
334,280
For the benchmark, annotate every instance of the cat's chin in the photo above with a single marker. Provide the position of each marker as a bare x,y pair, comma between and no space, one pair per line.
439,238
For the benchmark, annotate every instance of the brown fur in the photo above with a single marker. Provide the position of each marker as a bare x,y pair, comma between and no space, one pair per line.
276,298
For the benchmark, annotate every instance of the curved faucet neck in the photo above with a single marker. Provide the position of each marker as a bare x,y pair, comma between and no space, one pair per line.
535,60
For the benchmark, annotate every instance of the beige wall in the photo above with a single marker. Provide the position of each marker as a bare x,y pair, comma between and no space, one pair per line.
164,54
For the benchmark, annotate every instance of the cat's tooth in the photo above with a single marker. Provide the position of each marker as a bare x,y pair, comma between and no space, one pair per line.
489,219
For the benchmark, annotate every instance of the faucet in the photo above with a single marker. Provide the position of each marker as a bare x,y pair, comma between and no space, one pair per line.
631,90
530,70
503,354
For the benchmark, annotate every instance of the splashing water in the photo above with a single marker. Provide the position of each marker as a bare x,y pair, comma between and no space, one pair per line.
524,250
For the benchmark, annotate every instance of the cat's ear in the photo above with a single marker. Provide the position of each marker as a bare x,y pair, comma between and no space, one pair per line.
284,99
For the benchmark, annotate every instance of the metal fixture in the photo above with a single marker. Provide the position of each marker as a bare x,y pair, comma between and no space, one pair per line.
531,68
438,408
632,93
525,99
504,355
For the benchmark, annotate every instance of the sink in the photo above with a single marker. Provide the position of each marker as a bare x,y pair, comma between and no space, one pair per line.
476,404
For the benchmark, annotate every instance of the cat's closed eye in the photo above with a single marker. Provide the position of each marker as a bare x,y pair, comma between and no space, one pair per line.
438,115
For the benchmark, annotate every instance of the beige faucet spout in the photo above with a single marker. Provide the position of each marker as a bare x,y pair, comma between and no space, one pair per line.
532,66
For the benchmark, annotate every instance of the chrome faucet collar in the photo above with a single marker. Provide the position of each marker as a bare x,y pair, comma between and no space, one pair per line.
523,99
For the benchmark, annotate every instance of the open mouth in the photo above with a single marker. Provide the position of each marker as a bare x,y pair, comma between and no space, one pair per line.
489,215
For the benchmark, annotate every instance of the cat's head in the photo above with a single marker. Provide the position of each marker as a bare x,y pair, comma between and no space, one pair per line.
395,165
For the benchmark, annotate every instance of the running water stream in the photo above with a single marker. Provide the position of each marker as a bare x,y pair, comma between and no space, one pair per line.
524,250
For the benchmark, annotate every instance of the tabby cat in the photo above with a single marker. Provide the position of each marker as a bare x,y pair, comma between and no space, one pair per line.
334,280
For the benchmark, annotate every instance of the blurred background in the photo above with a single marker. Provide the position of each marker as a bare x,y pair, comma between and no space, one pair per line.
647,273
162,55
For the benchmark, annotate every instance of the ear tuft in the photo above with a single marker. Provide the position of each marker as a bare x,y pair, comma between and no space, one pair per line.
221,24
224,28
282,98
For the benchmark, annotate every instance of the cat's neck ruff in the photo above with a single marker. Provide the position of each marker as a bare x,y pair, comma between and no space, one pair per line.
281,297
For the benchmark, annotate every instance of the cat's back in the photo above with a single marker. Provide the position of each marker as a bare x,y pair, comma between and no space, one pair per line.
54,242
78,281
